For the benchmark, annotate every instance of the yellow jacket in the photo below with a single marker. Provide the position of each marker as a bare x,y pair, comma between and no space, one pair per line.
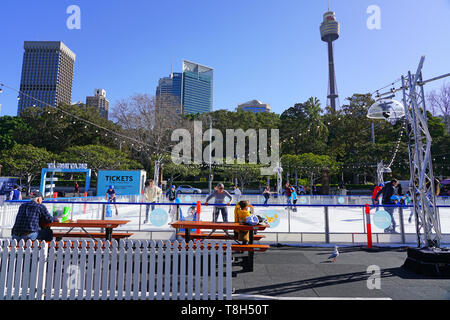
241,214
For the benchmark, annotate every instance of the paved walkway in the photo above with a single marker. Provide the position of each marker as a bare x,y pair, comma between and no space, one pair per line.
305,272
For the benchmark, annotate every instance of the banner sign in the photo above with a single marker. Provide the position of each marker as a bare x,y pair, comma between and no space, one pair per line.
67,165
124,182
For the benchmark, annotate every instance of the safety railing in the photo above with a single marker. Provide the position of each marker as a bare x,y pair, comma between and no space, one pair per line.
322,223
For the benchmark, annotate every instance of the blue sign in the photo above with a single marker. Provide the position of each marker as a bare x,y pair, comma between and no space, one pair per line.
63,169
382,219
159,217
123,182
341,200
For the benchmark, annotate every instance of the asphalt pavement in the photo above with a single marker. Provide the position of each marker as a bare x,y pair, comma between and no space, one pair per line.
284,273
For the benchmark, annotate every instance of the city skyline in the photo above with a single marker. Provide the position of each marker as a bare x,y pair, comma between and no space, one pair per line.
280,63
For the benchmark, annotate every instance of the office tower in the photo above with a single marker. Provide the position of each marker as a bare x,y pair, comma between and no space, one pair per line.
197,88
168,92
329,31
47,74
254,106
99,102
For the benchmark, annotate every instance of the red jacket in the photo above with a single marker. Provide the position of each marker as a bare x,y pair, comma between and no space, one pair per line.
375,191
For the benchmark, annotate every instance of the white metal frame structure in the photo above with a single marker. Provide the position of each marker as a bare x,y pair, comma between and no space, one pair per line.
421,167
422,185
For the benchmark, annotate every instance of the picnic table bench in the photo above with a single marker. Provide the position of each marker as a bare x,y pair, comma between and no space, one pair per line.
218,236
250,247
108,225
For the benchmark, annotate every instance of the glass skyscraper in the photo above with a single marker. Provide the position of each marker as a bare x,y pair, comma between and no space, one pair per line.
197,88
47,74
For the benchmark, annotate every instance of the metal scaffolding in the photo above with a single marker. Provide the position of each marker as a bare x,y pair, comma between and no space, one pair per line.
422,181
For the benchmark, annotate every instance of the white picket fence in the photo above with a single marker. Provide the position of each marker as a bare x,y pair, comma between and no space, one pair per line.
124,270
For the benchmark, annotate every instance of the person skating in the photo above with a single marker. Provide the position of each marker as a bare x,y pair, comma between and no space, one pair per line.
111,197
220,194
151,195
387,192
237,193
266,194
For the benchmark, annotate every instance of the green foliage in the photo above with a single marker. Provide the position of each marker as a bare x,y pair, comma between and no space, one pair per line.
99,158
12,130
56,131
25,161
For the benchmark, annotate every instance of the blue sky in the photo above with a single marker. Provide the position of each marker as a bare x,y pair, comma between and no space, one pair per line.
260,49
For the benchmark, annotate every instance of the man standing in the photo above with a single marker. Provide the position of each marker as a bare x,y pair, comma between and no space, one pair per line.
15,193
220,194
151,194
29,218
387,192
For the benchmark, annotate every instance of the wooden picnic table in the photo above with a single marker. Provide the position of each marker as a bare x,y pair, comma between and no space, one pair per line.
250,247
187,225
108,225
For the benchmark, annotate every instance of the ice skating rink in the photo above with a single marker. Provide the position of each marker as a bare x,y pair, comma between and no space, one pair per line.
346,214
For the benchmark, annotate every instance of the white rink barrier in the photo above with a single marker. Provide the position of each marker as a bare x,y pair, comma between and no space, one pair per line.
124,270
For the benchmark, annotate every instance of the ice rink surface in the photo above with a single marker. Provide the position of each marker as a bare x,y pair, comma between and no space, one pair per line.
346,214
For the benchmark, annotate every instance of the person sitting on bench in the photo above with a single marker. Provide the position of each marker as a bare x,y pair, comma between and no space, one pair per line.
29,219
243,210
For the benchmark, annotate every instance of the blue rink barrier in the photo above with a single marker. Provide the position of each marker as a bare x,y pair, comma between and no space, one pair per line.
303,223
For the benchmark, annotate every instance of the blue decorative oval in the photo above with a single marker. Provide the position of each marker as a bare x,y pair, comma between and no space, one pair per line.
159,217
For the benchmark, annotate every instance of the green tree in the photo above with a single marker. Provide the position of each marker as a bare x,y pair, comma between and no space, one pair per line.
55,130
12,131
25,161
99,158
302,128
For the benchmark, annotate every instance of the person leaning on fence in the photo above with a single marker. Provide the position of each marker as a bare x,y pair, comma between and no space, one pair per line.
243,210
151,194
15,193
172,195
220,194
30,217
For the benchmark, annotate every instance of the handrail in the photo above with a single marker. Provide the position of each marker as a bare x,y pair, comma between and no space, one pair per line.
223,204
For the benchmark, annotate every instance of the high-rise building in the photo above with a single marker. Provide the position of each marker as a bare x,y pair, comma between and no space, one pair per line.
47,74
99,102
329,32
254,106
168,92
197,88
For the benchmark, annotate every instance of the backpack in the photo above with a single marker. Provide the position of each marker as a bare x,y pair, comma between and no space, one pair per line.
252,220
